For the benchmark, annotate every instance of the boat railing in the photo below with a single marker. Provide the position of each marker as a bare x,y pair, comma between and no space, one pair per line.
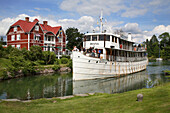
124,59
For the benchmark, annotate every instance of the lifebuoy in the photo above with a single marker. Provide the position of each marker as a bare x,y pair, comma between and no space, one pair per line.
120,45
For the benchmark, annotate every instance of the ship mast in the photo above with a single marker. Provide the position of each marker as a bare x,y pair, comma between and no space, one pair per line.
101,23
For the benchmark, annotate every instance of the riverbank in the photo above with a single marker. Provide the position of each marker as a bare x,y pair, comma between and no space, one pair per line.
40,69
155,100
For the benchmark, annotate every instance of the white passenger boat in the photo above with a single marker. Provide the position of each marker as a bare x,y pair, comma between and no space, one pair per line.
119,55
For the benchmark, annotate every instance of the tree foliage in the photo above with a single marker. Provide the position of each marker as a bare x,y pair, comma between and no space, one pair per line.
74,38
153,46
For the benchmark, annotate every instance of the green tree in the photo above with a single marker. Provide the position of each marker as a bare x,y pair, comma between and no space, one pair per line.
49,57
156,50
2,51
74,38
35,53
165,39
165,53
2,40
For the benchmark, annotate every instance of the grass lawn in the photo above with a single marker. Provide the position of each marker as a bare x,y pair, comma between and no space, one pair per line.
156,100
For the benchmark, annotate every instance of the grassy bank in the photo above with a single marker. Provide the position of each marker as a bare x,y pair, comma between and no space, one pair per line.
4,63
37,68
156,100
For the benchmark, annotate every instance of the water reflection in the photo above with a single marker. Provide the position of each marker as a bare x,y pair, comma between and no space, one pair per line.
36,87
111,85
56,85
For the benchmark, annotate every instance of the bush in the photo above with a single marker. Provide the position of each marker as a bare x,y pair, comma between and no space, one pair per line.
56,67
64,60
65,56
39,62
28,68
49,57
70,64
57,61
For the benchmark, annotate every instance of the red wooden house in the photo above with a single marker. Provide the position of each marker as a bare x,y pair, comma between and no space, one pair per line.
24,34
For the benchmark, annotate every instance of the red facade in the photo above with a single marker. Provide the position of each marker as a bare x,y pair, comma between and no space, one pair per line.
24,34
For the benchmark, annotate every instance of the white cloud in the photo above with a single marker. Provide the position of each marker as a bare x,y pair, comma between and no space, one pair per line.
92,7
133,12
43,9
132,27
88,23
143,35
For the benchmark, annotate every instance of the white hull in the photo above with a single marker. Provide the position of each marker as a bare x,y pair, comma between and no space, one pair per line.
85,67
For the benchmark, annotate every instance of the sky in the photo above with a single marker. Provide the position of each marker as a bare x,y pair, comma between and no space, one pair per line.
142,18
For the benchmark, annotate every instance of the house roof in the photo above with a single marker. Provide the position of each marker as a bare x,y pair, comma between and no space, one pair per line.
27,26
47,28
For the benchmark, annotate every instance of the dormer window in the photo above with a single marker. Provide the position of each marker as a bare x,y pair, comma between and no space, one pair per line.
36,28
15,29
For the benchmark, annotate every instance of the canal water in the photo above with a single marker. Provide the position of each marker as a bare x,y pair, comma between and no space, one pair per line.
56,85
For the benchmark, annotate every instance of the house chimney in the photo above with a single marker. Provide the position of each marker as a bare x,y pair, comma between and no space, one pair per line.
129,37
45,22
27,19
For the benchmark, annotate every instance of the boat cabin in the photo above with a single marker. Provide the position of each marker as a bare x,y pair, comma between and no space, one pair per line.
113,47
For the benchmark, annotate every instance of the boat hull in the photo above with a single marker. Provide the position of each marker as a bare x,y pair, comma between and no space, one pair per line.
85,67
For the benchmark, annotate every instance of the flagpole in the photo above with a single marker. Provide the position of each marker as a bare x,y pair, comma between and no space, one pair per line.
101,23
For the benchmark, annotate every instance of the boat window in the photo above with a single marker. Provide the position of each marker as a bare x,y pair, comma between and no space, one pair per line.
88,38
94,38
116,39
113,38
101,37
108,38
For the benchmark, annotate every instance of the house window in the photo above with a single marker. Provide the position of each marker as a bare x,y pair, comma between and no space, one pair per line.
13,45
15,29
18,46
45,38
52,38
18,37
36,28
36,37
13,38
59,40
49,38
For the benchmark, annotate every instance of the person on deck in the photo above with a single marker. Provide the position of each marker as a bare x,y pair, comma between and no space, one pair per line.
99,52
93,52
75,49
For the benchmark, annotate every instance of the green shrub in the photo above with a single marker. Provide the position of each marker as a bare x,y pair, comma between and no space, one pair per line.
70,64
57,61
56,67
64,60
49,57
39,62
65,56
28,68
